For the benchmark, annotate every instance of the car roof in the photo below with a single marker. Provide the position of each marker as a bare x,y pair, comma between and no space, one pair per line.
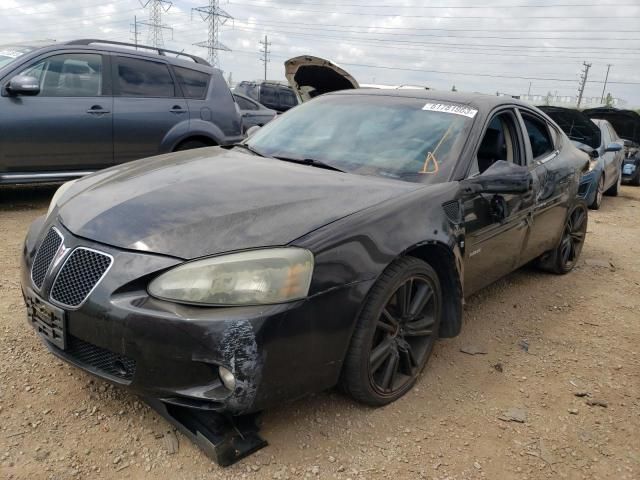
478,100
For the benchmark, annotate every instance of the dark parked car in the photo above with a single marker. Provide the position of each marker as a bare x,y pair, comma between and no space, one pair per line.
627,125
253,114
334,246
600,140
274,95
68,109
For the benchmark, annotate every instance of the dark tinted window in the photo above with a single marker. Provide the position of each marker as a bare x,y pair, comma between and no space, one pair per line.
245,104
539,138
268,96
498,143
69,75
194,84
142,78
287,98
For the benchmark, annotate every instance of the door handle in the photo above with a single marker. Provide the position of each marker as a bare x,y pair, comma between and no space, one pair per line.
177,109
97,110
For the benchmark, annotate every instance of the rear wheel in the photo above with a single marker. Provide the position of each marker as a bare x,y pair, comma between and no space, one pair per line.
597,199
395,335
635,181
564,257
615,188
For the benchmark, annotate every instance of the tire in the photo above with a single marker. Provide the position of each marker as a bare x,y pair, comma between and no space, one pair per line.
190,145
389,349
635,181
615,188
597,199
564,257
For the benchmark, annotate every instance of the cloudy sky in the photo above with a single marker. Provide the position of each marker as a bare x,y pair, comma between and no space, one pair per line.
509,46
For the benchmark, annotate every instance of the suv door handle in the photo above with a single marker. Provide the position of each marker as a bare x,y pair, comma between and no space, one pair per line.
97,110
177,109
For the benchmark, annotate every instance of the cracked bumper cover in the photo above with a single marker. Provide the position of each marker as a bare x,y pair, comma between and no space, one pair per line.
277,352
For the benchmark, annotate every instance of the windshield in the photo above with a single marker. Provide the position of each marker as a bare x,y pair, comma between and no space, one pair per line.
388,136
8,53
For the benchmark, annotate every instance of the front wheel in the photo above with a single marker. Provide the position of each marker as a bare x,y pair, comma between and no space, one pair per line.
597,199
564,257
395,334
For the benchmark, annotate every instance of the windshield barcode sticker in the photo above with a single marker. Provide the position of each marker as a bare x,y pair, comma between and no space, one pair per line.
451,108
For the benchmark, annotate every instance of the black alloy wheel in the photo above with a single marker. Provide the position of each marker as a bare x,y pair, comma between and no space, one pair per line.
395,334
573,238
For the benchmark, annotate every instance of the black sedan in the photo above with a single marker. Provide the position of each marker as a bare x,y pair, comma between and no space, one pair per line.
334,246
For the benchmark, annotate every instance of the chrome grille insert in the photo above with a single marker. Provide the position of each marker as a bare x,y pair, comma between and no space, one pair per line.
44,256
80,274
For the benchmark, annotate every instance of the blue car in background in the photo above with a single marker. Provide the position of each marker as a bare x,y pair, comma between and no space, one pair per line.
599,139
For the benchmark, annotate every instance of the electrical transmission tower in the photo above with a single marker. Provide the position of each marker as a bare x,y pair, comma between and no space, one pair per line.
216,17
583,81
156,27
264,50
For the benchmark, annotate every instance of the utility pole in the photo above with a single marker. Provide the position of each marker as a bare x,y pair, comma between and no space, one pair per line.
156,27
529,91
216,17
583,81
134,31
264,50
606,79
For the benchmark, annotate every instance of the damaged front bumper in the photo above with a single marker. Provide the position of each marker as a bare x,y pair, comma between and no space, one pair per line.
172,353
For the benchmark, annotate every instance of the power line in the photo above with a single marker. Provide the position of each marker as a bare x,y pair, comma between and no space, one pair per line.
215,17
450,7
457,17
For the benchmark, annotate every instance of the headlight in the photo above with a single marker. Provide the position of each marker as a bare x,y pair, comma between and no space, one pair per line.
256,277
58,195
592,164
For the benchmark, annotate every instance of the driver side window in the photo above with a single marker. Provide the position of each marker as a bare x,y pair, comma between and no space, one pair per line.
500,142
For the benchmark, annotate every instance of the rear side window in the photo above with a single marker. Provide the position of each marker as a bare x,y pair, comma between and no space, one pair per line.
539,137
143,78
68,75
194,84
287,98
268,96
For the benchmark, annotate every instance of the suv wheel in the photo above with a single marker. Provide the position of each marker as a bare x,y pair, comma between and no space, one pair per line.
190,145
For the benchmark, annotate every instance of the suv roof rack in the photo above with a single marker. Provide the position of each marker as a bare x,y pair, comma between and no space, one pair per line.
160,51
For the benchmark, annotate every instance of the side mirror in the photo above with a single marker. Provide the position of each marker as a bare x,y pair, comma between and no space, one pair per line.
251,130
500,178
23,85
613,147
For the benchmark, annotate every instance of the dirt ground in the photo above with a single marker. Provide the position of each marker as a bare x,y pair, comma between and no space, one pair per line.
548,339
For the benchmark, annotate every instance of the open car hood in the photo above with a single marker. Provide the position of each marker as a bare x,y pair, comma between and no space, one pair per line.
625,122
312,76
578,126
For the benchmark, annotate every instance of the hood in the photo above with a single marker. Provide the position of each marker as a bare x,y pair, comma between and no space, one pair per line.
578,126
209,201
625,122
312,76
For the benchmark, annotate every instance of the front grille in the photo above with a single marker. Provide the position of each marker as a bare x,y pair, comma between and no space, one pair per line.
80,273
583,189
100,358
44,256
452,210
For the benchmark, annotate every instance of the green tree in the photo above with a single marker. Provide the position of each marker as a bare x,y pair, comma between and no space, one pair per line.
547,99
609,100
454,89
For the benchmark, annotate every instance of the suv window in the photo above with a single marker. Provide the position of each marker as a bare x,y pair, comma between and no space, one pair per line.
268,96
194,84
143,78
499,143
68,75
287,98
539,138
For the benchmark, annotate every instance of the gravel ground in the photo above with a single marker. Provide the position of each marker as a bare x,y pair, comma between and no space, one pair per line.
555,395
